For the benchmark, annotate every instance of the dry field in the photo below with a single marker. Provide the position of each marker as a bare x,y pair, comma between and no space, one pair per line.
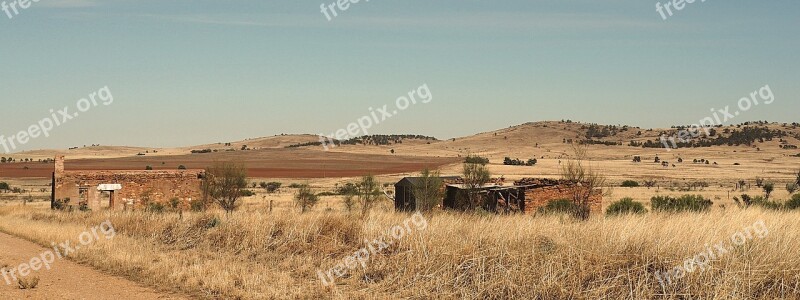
255,254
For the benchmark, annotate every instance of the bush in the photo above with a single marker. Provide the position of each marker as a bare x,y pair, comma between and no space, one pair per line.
148,168
4,186
625,206
693,203
246,193
181,167
155,207
630,184
561,206
476,160
794,203
197,205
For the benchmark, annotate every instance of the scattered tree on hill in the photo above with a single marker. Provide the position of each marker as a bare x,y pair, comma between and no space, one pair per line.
429,190
223,183
305,198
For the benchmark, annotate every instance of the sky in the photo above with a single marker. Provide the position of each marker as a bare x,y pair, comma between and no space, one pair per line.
194,72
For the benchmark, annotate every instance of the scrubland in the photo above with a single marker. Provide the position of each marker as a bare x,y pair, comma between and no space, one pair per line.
255,254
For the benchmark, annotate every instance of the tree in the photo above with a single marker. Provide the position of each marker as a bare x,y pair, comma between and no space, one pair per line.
798,178
429,190
148,168
584,181
368,193
305,198
181,167
791,188
3,159
769,187
223,184
475,176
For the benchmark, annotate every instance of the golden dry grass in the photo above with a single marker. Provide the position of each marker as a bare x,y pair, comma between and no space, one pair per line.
252,254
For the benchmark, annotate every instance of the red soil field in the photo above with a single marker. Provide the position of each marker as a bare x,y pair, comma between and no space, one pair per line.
268,163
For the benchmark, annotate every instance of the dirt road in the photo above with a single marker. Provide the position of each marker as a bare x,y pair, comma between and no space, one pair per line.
65,279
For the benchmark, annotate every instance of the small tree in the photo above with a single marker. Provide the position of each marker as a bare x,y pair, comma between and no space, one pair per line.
305,198
181,167
769,187
791,188
223,184
476,175
148,168
368,193
585,181
428,190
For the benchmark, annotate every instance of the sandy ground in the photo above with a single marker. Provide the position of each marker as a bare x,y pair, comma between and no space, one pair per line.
65,279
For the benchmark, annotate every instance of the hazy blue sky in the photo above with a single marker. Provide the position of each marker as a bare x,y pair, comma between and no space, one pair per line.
191,72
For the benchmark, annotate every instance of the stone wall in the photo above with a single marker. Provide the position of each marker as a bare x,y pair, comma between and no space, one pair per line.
539,196
137,187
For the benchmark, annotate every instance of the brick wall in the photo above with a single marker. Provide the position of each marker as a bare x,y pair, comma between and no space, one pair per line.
539,196
137,187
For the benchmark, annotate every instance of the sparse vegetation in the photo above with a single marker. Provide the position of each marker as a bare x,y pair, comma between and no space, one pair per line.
630,184
429,191
560,206
476,160
305,198
691,203
625,206
223,184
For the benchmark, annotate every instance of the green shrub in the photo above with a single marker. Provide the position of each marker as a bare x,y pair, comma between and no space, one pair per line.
694,203
625,206
4,186
561,206
197,205
476,160
759,201
794,203
155,207
246,193
630,184
181,167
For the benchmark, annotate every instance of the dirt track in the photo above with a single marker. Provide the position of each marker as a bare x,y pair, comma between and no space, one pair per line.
268,163
65,279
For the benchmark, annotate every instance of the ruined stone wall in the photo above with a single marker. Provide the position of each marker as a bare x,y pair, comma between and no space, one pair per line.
138,187
540,196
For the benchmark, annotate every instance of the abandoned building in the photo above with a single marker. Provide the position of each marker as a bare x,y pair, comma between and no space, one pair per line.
524,196
123,190
404,199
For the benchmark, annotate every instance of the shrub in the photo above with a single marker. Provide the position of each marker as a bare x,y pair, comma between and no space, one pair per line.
148,168
694,203
181,167
759,201
246,193
630,184
794,203
625,206
792,187
4,186
155,207
197,205
561,206
476,160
